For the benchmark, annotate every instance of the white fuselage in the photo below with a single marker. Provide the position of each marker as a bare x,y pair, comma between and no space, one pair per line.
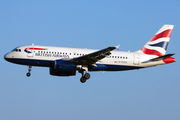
117,61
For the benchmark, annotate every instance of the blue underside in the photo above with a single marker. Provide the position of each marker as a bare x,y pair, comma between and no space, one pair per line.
46,63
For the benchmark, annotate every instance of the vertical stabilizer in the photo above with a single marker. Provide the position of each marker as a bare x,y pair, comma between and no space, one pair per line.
157,45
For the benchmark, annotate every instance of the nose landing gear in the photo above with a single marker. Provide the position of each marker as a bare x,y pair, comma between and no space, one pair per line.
29,70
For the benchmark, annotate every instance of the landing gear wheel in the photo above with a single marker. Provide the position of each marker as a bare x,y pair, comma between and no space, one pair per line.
87,76
29,70
28,74
83,80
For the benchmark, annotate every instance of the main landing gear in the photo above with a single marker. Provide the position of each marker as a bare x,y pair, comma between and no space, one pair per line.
29,70
85,76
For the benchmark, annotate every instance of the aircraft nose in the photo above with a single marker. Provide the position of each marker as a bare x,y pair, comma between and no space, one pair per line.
6,56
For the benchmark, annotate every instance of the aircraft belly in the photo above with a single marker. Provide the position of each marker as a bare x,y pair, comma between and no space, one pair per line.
33,62
110,67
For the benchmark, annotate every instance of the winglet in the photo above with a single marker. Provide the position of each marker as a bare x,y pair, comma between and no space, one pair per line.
117,47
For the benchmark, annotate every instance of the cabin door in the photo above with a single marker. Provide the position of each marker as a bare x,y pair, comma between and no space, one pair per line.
136,59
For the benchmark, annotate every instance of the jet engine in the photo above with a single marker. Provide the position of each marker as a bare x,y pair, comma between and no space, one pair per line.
63,68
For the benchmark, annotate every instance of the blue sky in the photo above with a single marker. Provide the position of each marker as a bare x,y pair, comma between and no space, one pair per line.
146,94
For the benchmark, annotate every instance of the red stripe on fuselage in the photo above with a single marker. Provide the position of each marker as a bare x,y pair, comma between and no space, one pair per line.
151,52
166,33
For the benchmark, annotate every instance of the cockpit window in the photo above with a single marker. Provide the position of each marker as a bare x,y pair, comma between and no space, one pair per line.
13,50
16,50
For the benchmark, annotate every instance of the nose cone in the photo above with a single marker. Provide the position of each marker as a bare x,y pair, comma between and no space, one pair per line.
6,57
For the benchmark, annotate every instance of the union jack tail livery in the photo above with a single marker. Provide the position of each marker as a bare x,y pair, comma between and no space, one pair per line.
157,45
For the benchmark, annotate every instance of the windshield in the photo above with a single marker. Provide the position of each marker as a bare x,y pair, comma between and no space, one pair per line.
16,50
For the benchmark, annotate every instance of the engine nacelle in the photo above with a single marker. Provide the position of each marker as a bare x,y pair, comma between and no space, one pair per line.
58,72
63,68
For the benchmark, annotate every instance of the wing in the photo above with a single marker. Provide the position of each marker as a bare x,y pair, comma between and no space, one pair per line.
92,58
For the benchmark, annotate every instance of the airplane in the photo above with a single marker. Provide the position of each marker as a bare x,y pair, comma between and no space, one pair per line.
63,61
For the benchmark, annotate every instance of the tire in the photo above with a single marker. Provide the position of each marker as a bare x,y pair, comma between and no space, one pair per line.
28,74
83,80
87,75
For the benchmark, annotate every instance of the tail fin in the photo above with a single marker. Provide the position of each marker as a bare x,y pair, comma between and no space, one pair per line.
157,45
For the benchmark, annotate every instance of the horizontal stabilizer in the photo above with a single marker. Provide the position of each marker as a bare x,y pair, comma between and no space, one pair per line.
162,57
159,58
